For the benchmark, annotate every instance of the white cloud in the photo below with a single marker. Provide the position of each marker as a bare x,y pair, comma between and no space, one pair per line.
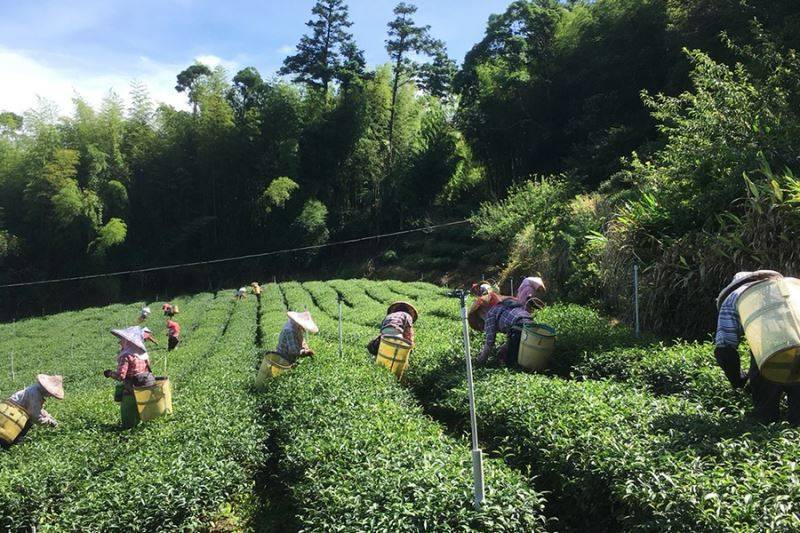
26,77
285,49
213,61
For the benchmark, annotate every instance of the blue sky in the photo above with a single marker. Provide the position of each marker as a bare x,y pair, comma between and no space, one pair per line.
54,49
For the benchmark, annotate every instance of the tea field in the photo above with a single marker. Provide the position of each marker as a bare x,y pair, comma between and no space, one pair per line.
624,434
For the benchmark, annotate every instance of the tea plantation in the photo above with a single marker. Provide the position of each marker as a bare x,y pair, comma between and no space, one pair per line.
624,434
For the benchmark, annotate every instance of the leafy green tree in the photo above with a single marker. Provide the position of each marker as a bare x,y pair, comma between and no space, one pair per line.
353,66
405,39
9,122
319,55
436,77
188,81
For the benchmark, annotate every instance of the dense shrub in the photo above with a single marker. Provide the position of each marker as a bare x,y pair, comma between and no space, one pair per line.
357,452
181,471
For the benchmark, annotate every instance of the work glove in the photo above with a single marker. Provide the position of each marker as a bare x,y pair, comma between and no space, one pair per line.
482,357
307,353
107,373
52,423
728,359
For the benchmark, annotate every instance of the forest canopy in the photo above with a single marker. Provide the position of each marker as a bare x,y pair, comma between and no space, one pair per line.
608,131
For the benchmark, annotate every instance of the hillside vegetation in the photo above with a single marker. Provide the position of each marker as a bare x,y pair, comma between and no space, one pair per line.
580,135
622,434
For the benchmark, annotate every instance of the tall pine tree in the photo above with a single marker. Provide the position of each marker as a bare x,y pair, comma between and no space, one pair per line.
405,38
319,55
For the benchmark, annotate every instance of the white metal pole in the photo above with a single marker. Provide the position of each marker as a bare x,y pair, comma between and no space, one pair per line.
340,326
13,376
636,296
477,455
512,287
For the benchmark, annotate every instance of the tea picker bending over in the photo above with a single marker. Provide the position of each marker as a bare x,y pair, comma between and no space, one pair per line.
147,334
766,394
507,317
399,322
529,291
31,399
292,340
133,361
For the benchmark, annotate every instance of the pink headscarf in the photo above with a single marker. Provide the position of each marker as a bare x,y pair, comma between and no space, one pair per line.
528,289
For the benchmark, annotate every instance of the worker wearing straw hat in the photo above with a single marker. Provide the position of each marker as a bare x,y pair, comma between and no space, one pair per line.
169,309
147,334
766,394
133,361
399,322
529,292
256,288
32,399
240,293
292,339
143,314
507,317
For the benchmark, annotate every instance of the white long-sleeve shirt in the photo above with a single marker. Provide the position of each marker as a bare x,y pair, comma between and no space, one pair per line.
32,400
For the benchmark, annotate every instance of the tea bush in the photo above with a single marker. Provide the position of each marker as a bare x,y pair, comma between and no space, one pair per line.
173,473
358,454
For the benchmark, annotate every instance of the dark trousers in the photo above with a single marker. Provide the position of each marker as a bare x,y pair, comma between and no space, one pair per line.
172,342
767,397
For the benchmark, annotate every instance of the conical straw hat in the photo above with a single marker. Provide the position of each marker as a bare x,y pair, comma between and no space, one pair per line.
54,385
304,320
403,306
132,334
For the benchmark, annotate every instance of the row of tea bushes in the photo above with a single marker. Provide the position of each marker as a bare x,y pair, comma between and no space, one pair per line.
175,473
685,369
616,456
358,454
621,458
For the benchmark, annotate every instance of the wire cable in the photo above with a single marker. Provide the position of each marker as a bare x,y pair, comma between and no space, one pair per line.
231,259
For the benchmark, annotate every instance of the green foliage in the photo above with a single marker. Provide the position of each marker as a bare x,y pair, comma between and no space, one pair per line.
614,457
278,193
536,204
67,203
688,224
350,441
313,219
113,233
178,486
661,444
319,56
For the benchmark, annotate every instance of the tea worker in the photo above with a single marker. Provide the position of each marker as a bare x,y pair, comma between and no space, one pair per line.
173,333
133,361
147,334
292,339
486,297
506,317
766,394
169,309
482,289
144,314
256,288
240,293
399,323
32,399
529,292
